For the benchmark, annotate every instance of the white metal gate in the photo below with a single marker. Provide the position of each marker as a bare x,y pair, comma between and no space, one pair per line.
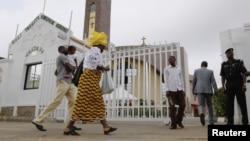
137,72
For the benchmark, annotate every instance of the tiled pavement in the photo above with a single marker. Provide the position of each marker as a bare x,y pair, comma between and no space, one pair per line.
127,131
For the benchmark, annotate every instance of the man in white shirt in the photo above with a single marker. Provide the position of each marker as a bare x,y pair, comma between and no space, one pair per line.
174,87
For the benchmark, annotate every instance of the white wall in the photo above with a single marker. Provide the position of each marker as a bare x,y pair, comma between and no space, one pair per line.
4,65
239,40
43,38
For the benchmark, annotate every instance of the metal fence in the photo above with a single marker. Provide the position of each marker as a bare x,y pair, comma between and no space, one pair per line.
137,72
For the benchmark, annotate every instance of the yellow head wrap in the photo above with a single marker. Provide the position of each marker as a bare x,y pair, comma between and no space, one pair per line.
97,38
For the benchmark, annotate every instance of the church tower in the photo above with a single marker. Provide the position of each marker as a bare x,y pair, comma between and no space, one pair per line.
97,17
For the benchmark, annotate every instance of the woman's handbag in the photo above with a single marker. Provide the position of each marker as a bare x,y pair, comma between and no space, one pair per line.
107,83
77,74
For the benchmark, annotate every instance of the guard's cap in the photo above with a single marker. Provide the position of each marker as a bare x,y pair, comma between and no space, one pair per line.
230,49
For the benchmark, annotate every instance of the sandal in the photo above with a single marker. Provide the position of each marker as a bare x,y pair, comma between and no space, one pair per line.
111,129
71,132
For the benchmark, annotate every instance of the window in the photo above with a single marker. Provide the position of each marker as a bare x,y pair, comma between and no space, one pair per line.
33,74
92,7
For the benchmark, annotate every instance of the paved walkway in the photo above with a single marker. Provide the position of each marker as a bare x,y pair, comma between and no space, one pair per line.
127,131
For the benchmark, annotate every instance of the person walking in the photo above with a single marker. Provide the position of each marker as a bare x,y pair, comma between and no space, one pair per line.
64,87
90,106
174,87
233,81
204,85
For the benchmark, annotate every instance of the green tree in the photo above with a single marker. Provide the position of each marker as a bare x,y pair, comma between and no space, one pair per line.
219,103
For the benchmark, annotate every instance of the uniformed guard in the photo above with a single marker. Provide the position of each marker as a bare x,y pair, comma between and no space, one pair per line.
234,84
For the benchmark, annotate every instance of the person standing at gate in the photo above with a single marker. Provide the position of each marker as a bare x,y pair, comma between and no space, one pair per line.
64,87
204,85
233,81
90,106
174,87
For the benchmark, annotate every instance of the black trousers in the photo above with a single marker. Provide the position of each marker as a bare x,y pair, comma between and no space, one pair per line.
231,92
178,99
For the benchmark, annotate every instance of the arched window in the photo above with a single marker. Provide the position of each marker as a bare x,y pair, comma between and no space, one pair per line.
92,18
92,7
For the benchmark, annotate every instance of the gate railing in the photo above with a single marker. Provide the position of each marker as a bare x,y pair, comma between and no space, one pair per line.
137,72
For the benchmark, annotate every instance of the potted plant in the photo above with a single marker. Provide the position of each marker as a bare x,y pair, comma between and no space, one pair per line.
219,104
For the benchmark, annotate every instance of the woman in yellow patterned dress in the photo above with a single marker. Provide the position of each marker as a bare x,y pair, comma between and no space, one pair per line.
89,105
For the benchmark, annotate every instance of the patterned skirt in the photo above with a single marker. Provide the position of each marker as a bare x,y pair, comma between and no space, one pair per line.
89,105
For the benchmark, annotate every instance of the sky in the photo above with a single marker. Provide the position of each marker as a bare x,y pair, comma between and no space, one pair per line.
195,24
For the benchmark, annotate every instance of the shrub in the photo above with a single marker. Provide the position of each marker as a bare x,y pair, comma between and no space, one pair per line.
219,103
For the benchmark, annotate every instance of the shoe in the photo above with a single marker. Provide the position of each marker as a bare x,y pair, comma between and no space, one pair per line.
76,128
71,132
202,119
39,127
173,127
180,124
111,129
